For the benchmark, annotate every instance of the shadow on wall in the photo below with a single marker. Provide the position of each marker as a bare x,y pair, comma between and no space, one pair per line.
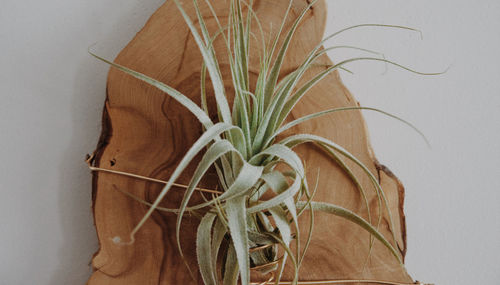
80,239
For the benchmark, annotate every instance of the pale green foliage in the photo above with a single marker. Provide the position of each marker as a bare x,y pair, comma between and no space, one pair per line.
242,147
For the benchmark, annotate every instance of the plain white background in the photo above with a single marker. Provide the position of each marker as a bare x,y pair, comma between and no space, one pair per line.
53,91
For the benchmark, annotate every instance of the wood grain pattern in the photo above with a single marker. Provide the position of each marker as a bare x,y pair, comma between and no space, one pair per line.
145,132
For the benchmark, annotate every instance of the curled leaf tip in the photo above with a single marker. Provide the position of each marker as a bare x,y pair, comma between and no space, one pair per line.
118,241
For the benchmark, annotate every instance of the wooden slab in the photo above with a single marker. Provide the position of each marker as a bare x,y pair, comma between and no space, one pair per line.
145,132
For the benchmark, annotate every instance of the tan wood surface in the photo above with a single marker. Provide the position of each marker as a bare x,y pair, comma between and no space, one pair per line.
145,132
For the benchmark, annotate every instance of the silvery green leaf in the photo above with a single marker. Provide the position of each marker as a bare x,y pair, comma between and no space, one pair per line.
353,217
204,249
366,25
176,95
303,138
248,176
218,234
214,152
278,183
259,238
212,66
284,153
231,267
329,111
208,136
236,215
275,70
321,75
278,199
281,220
274,74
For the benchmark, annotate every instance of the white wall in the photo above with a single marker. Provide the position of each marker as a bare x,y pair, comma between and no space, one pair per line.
52,98
452,190
52,93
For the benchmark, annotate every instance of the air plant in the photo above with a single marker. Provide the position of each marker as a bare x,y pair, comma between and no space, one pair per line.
249,159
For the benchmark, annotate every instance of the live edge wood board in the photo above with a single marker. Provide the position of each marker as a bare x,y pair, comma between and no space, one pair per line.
145,132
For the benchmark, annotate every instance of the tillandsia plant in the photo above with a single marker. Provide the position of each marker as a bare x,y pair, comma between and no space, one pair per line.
251,155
